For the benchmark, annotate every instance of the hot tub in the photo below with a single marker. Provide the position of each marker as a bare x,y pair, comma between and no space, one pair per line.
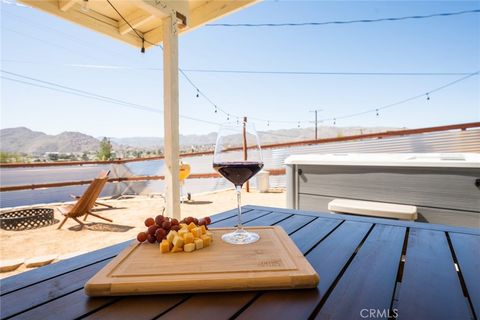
445,187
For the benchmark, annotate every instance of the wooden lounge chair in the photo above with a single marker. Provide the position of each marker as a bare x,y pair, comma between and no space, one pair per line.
86,202
101,175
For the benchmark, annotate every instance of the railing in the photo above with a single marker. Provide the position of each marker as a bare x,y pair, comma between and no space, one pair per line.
378,135
273,171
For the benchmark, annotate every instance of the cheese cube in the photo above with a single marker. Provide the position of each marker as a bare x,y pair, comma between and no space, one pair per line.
188,238
197,232
175,249
189,247
183,225
164,246
210,234
191,226
198,244
171,235
204,230
182,232
177,242
206,240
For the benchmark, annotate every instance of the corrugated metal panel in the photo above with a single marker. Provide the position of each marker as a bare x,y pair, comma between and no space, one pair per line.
444,141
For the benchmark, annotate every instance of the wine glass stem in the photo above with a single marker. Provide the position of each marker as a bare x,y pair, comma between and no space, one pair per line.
239,204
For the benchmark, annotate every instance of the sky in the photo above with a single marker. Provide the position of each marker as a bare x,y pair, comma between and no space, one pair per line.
41,46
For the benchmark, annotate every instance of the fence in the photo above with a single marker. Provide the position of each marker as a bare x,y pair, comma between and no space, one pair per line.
29,183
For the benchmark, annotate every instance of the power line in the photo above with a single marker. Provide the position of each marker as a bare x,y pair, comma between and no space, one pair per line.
199,92
274,72
300,24
90,95
229,115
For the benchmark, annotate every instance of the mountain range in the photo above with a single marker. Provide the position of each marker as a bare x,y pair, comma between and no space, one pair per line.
24,140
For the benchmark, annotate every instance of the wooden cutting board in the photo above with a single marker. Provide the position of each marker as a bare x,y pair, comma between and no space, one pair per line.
273,262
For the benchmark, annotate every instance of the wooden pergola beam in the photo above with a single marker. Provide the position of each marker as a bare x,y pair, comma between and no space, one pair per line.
92,20
171,116
200,16
136,19
64,5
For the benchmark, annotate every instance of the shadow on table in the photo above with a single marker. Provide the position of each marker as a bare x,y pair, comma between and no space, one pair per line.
104,227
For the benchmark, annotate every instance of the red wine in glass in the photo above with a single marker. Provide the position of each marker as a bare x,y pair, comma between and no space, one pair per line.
238,172
238,167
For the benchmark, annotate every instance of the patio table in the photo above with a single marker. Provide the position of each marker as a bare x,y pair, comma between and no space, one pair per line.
368,268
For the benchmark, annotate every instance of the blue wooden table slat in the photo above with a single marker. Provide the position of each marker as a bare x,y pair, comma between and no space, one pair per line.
357,259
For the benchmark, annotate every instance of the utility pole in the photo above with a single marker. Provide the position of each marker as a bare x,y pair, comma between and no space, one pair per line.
245,156
316,121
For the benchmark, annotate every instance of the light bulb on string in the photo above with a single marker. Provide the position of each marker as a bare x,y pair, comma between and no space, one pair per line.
238,121
428,96
228,116
198,93
334,121
216,111
298,124
268,123
377,112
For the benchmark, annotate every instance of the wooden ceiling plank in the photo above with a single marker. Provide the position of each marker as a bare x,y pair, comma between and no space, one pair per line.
64,5
200,16
90,19
136,19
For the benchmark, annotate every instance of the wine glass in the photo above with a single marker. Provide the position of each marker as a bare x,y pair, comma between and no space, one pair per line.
238,167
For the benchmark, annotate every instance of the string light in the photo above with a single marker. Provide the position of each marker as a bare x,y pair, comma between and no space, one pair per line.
334,119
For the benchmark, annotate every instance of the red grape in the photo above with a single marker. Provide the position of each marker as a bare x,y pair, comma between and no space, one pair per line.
174,222
188,220
175,227
151,238
149,222
166,225
152,229
195,220
161,231
160,234
142,236
208,220
158,220
202,222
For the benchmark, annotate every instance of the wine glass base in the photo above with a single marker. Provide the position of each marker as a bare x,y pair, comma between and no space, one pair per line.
240,237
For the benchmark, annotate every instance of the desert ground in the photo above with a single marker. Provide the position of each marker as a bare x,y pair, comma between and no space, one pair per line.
128,217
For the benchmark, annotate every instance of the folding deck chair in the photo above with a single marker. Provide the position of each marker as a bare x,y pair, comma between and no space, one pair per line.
86,202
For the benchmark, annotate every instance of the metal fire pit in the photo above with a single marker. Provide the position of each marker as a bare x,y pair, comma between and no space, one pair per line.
27,219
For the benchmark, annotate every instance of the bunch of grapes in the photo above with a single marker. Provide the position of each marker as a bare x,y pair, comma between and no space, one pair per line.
159,227
199,222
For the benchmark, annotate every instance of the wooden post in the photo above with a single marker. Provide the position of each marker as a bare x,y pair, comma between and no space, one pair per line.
245,156
171,116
